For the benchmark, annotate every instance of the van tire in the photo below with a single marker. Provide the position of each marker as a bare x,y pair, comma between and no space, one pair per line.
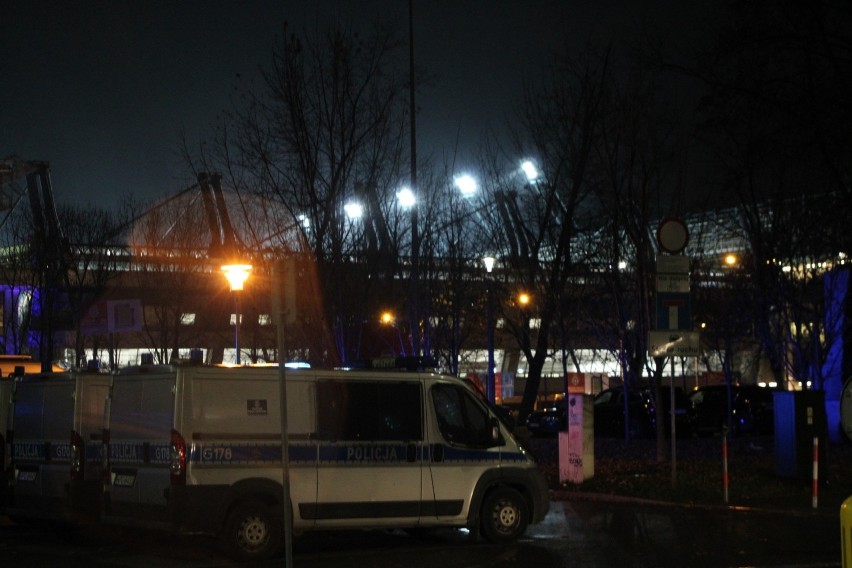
504,515
252,531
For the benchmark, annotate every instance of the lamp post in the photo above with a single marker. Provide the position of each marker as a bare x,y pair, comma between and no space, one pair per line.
388,319
237,274
408,200
415,235
523,300
490,386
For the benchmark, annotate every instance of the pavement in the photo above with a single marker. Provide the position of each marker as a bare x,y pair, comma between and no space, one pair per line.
581,530
611,530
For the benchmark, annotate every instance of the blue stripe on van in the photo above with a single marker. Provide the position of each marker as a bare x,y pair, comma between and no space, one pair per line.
343,452
269,453
457,454
249,452
514,457
42,450
135,452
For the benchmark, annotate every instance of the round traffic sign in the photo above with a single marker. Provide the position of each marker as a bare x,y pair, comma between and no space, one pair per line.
672,235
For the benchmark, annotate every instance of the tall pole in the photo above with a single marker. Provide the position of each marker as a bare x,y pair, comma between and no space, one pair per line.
492,387
673,435
415,237
280,271
237,326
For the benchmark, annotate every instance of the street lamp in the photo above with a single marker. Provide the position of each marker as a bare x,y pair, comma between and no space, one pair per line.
406,198
354,210
490,387
389,319
523,302
530,171
237,274
466,184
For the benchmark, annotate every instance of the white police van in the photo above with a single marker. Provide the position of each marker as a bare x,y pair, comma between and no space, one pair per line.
56,448
200,448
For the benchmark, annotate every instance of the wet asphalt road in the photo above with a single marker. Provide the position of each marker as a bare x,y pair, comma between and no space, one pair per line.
587,533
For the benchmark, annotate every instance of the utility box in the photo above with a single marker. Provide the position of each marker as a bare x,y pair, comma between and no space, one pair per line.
799,418
577,445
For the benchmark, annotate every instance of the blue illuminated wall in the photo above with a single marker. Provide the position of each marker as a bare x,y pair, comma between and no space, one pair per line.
17,303
836,370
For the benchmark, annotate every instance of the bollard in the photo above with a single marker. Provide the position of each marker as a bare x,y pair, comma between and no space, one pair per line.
815,475
725,464
846,532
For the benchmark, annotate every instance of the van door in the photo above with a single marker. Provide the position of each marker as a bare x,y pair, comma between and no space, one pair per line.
462,449
140,424
85,490
370,454
42,421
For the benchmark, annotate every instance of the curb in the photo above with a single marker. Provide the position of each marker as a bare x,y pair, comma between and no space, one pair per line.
606,498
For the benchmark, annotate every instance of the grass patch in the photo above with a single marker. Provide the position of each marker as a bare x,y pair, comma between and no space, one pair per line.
634,470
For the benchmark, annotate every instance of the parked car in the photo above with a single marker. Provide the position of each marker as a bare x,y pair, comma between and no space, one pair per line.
610,413
549,419
751,406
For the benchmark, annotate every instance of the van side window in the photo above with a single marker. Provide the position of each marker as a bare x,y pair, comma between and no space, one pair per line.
369,411
461,419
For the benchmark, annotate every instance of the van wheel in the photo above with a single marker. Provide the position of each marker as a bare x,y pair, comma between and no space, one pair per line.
504,515
252,531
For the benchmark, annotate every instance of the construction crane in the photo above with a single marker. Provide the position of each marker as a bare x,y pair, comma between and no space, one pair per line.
224,242
49,247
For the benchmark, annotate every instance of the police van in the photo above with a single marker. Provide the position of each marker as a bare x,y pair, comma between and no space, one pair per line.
200,448
56,447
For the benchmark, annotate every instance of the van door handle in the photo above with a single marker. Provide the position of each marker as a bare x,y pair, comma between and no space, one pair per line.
437,452
411,453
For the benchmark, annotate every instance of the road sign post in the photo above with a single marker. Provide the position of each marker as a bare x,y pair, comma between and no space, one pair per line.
674,336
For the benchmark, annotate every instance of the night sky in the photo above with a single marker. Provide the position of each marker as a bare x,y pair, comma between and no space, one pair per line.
103,90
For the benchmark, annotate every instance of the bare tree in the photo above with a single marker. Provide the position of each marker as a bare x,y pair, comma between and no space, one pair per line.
558,127
166,247
93,236
327,129
635,164
453,245
776,116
